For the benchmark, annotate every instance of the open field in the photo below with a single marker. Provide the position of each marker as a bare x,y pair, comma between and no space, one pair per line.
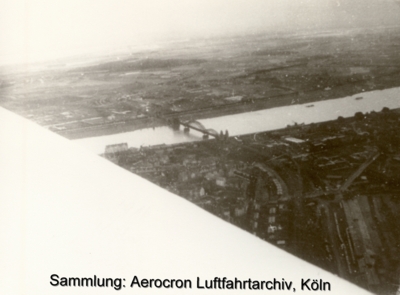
326,192
202,78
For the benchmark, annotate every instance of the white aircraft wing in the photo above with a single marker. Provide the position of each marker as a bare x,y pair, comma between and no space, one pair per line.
69,217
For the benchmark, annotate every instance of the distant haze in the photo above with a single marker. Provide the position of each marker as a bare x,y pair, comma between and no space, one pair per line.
32,30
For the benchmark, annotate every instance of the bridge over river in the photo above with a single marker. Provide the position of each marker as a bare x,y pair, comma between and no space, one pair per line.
196,125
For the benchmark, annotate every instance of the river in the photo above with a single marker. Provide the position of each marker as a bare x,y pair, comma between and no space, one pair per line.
257,121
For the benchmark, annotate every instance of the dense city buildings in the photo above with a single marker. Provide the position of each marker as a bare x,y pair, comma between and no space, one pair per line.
318,173
327,192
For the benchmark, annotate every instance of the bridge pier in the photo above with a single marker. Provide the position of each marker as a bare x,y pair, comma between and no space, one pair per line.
176,123
186,129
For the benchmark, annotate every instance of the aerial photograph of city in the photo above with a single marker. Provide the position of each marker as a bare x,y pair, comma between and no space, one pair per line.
288,127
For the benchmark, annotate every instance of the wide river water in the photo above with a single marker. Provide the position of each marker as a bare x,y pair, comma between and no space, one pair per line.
257,121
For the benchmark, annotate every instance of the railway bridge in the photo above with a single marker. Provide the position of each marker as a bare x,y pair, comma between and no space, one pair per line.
196,125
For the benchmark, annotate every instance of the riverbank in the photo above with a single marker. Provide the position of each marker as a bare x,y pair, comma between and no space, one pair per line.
256,121
129,125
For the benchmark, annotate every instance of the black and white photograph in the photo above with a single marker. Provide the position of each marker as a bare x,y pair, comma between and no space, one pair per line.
200,147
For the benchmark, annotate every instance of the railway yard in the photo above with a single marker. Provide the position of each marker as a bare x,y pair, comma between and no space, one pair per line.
327,192
200,79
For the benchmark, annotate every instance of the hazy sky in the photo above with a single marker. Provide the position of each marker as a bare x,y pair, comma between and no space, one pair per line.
36,29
